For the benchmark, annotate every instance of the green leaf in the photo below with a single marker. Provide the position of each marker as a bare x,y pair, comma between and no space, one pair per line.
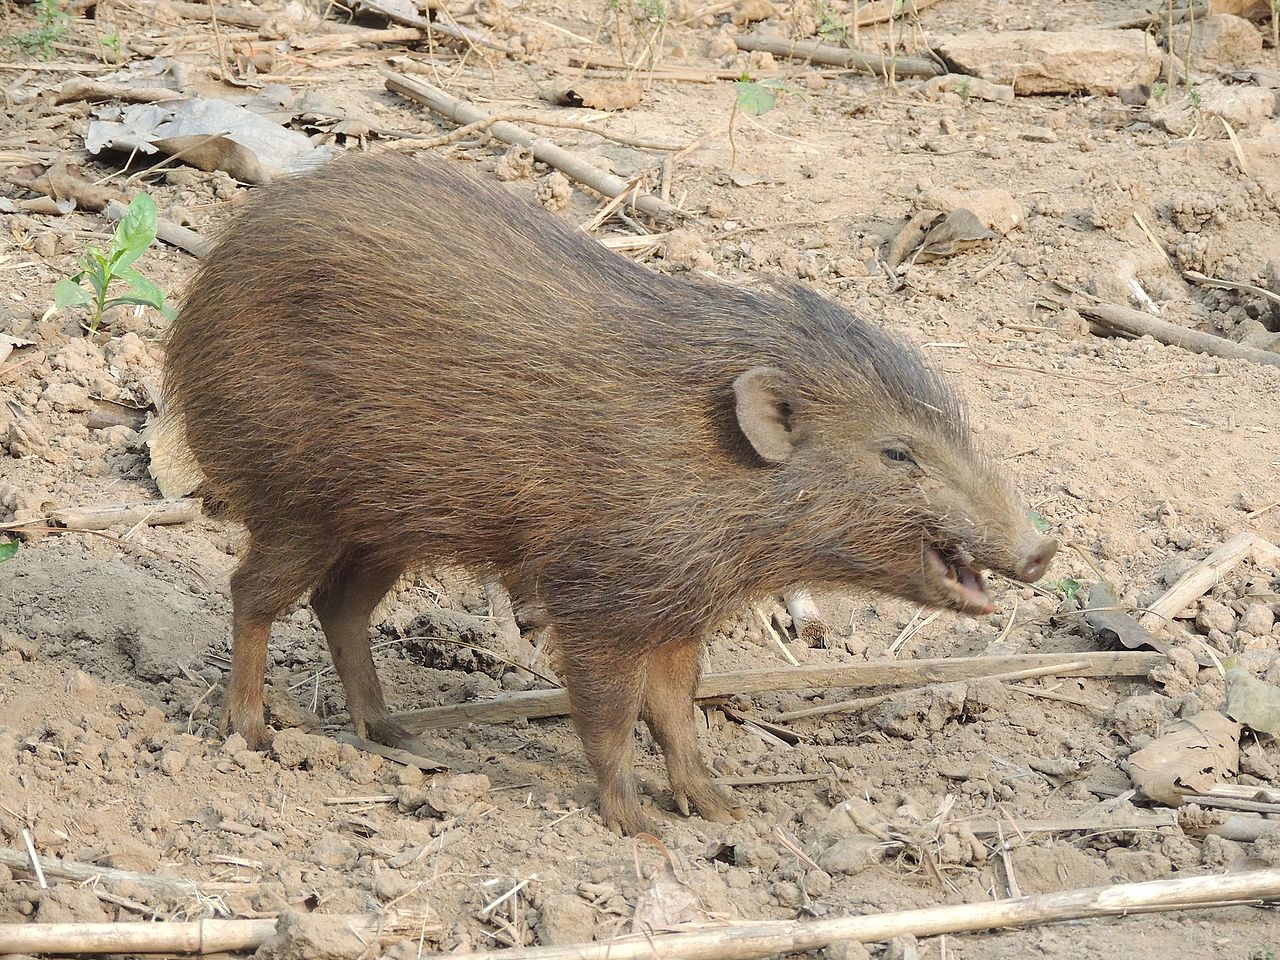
131,299
144,289
8,549
1067,586
1039,522
755,98
135,232
68,293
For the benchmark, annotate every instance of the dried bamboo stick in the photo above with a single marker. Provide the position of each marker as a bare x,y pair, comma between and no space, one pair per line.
202,936
852,706
1201,578
463,113
87,872
879,64
805,617
153,513
746,941
533,704
1143,325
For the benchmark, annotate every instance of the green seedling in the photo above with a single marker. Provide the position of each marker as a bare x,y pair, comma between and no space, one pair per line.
110,44
1262,953
756,97
1067,586
1193,94
830,27
52,21
1159,89
7,549
98,271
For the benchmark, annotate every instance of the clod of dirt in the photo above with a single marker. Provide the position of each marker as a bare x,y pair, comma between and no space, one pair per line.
1143,715
995,209
1253,702
313,936
453,796
1194,755
1257,619
1218,41
920,713
1065,61
295,750
1179,674
564,918
685,250
1056,866
595,94
851,855
846,950
1137,866
554,192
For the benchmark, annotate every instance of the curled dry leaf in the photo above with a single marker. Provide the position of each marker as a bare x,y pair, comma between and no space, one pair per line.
1110,623
595,94
1194,755
1253,702
958,231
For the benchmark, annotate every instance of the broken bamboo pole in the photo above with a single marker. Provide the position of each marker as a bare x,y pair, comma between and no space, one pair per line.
463,113
533,704
767,938
823,53
1137,324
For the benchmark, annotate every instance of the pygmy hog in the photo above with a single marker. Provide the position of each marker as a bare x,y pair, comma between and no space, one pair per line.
388,362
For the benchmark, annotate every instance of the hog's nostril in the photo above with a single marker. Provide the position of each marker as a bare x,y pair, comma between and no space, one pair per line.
1037,563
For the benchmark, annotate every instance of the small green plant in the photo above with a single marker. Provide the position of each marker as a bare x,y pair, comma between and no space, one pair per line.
52,20
1262,953
755,97
7,549
134,234
110,43
965,88
1159,89
830,27
1193,94
1067,586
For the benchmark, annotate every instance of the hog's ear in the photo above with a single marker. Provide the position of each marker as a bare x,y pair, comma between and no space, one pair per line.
764,412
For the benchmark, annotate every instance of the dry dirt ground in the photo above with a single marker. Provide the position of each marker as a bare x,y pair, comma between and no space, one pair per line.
113,648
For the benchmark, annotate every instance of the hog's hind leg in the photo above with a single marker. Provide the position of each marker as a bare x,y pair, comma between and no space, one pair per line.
267,580
605,689
671,679
344,602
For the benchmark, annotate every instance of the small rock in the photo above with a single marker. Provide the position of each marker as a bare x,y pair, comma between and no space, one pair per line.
391,885
752,11
1088,60
920,713
172,763
565,918
1239,106
851,855
685,250
846,950
1217,41
1215,616
294,749
1257,619
1137,865
330,850
995,208
452,796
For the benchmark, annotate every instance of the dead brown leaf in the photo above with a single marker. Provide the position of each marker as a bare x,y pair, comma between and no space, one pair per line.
958,231
1194,755
595,94
1103,618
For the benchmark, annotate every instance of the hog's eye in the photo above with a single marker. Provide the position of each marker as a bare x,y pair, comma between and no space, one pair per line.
898,455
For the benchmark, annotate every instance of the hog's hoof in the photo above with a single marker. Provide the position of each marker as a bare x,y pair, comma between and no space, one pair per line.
622,814
713,803
253,729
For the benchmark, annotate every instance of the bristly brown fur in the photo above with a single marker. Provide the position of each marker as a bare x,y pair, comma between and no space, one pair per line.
388,362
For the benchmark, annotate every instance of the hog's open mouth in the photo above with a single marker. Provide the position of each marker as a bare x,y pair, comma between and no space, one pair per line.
954,570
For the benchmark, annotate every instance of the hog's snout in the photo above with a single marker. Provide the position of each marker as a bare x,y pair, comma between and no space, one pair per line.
1034,558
